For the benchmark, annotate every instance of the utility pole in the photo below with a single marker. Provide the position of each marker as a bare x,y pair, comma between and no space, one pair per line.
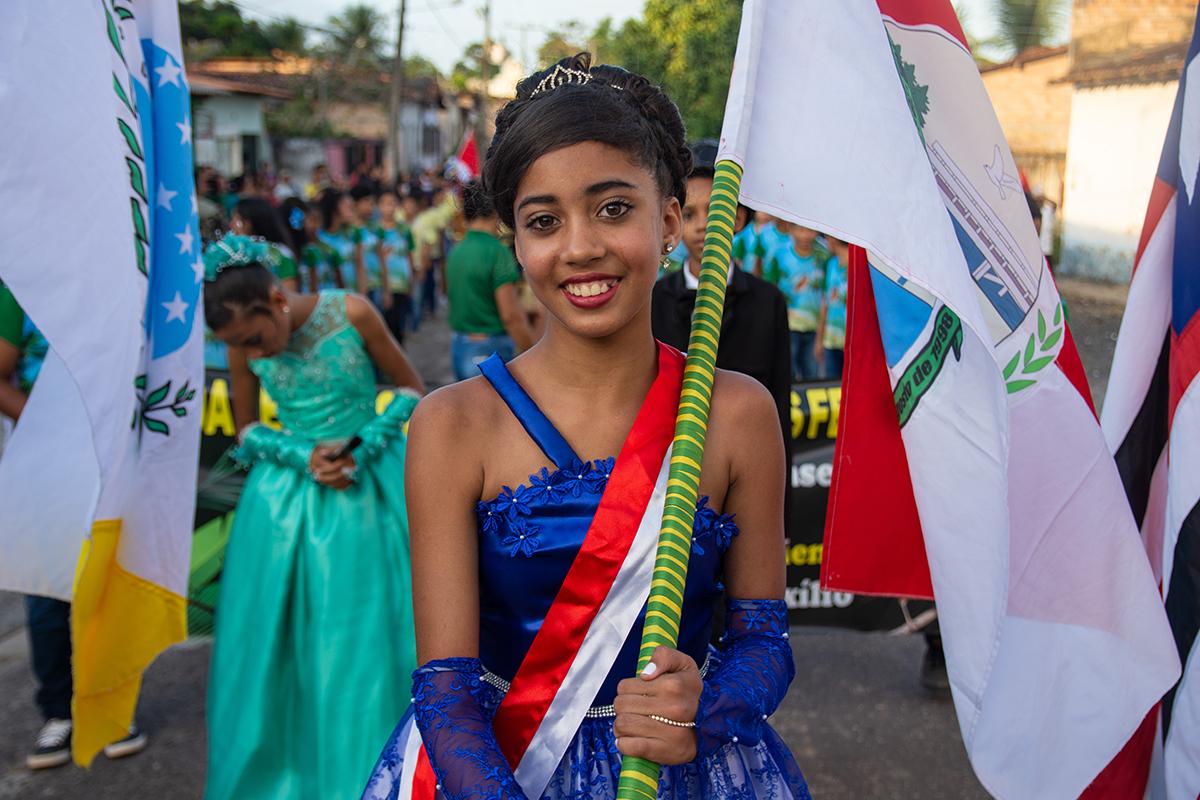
485,74
392,153
528,61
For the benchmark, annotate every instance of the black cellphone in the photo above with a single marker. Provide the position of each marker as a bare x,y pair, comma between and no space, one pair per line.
347,448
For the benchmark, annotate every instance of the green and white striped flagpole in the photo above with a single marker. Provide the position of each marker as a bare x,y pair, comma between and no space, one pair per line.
639,777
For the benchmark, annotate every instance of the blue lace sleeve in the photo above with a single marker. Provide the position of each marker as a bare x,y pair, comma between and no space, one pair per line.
260,443
449,698
749,682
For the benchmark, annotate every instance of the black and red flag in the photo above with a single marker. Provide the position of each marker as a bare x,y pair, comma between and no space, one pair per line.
1151,416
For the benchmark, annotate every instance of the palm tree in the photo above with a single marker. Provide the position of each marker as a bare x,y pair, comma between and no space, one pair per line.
286,34
357,34
1022,24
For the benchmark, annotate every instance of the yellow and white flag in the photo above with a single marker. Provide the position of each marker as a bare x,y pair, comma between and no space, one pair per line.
100,246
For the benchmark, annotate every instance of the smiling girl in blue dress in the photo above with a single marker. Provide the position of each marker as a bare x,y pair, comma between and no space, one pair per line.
588,168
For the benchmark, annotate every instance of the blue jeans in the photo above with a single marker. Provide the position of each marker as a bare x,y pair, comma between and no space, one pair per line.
804,360
49,624
414,309
468,350
835,360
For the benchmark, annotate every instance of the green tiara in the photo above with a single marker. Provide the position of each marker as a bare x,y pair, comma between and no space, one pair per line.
237,251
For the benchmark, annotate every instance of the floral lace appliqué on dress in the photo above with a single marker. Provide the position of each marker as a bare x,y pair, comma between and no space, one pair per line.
508,515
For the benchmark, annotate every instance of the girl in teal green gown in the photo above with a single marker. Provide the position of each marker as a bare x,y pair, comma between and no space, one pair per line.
314,622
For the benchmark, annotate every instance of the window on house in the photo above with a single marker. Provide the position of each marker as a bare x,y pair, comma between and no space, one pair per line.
250,152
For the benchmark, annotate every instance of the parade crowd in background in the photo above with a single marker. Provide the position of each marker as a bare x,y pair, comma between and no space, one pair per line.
473,482
408,247
392,241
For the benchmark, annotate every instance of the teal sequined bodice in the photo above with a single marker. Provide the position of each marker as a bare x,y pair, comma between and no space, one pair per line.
324,382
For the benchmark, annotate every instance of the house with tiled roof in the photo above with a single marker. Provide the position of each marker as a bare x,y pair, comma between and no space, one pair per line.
327,113
228,119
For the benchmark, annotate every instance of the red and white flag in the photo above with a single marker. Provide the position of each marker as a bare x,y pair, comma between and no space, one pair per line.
1151,416
1056,642
466,163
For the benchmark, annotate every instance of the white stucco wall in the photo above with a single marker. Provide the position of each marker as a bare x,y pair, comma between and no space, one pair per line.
1115,142
218,126
234,115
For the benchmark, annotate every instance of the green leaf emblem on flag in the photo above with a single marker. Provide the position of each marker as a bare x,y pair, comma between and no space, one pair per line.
1037,354
157,402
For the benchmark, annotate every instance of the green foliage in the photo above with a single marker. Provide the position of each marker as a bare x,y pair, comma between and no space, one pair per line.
357,36
468,68
685,45
287,34
1023,24
417,67
298,117
213,28
565,42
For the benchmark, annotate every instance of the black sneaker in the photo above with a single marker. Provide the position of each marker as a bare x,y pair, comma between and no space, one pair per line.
933,668
134,743
53,745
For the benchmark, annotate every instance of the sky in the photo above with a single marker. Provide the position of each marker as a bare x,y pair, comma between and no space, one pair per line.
441,29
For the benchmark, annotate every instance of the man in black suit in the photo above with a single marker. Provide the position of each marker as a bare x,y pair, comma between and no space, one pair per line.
754,328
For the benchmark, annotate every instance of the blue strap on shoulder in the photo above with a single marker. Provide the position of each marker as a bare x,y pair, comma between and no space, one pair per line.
535,423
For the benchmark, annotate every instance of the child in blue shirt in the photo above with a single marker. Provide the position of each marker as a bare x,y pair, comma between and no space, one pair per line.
831,340
797,267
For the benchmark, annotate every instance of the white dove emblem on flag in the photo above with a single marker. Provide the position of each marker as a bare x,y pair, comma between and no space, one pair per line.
1003,181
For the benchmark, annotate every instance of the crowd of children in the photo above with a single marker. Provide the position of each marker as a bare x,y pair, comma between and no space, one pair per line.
392,245
810,269
383,241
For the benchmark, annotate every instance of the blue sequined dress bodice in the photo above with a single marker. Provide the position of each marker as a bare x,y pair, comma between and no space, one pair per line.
529,536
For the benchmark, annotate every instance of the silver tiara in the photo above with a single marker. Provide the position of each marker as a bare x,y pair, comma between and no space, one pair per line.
561,76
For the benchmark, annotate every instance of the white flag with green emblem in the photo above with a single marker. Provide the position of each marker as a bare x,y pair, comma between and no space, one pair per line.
1056,642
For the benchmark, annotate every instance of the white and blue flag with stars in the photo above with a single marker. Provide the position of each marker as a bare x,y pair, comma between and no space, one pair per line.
98,483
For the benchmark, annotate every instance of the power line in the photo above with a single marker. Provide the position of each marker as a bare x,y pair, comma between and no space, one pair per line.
441,21
242,5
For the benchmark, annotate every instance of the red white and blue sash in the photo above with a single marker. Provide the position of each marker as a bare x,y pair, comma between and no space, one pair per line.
595,610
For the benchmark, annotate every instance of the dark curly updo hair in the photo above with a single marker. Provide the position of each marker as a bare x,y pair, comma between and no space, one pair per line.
476,202
247,288
555,110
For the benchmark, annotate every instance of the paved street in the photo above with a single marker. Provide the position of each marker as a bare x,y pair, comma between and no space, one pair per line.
856,718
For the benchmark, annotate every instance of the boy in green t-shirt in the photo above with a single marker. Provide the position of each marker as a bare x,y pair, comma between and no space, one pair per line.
481,277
